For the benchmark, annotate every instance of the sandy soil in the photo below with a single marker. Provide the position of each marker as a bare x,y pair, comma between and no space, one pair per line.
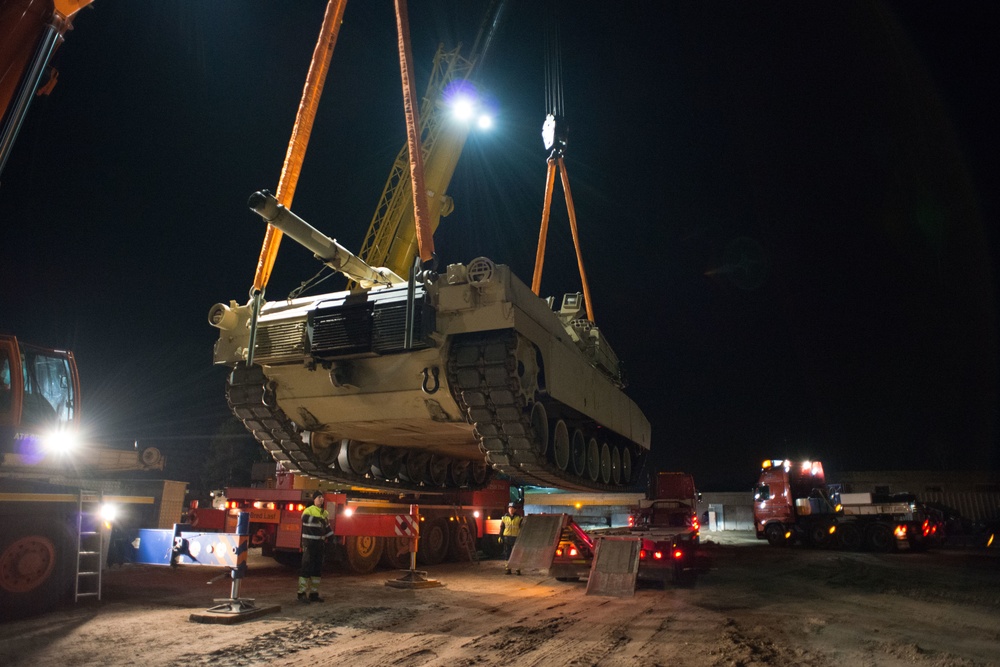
757,605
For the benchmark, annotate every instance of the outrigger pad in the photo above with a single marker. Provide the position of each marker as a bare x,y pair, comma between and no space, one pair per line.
615,567
536,544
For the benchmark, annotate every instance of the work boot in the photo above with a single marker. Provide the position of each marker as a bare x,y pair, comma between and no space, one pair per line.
314,597
303,599
518,572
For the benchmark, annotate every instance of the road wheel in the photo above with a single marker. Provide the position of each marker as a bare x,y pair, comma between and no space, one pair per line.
593,460
578,445
363,553
849,537
396,553
560,445
775,534
606,463
33,571
879,538
437,470
387,462
616,465
433,546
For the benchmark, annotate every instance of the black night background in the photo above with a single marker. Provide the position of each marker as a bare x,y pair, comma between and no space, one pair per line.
788,211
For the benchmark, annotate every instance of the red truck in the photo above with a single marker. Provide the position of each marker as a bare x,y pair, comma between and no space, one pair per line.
453,526
794,504
667,523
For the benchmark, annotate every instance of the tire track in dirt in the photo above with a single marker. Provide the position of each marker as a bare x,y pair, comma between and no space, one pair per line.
319,631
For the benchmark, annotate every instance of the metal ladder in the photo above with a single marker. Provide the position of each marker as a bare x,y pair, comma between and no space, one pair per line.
89,547
462,523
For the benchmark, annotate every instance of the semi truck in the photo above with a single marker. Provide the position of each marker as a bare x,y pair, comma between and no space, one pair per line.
793,504
61,496
371,528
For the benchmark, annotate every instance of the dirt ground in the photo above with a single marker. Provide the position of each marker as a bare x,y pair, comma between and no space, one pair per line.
756,605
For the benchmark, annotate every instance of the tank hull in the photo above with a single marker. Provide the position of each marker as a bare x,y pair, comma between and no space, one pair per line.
464,370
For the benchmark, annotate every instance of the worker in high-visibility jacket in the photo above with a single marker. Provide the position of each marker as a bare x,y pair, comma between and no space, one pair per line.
315,532
510,528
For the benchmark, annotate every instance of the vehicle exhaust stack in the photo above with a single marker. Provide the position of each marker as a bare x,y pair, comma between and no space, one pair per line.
326,249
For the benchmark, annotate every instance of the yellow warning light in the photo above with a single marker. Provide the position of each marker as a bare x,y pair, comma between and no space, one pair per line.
833,529
766,464
577,505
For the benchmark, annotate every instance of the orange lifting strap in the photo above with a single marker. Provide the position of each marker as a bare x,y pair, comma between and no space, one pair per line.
318,68
425,237
536,281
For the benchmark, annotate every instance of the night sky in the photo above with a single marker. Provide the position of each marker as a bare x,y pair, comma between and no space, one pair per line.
788,211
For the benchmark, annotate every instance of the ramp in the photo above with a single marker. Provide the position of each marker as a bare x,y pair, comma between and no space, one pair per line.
615,567
536,545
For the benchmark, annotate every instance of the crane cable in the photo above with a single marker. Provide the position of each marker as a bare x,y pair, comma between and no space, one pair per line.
295,155
301,131
411,103
554,135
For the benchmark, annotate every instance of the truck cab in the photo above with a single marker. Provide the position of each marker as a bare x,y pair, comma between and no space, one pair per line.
39,396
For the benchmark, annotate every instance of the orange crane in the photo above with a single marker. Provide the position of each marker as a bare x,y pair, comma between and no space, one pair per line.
30,32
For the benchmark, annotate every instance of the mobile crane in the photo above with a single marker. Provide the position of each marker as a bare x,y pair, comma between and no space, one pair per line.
59,493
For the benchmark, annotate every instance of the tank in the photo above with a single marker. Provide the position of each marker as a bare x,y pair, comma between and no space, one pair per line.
436,382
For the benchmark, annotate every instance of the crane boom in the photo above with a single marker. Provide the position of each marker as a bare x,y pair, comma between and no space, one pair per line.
391,239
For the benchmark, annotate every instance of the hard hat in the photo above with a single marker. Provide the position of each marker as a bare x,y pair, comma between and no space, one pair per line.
511,504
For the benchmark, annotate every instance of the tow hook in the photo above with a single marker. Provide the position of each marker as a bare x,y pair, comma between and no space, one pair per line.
437,383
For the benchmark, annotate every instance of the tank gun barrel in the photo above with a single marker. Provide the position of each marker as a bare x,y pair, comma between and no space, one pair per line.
326,249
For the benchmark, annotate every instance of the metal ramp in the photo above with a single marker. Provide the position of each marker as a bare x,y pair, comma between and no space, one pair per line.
615,566
537,542
89,547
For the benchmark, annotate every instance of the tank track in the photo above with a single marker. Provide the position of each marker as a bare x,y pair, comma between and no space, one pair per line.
488,382
251,398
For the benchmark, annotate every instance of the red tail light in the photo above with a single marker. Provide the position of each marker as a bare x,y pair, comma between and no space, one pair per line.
573,552
678,554
631,522
695,523
642,554
657,555
559,551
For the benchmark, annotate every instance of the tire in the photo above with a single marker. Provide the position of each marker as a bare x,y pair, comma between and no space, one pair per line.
819,536
396,553
879,538
35,567
849,537
775,534
433,545
461,543
362,553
